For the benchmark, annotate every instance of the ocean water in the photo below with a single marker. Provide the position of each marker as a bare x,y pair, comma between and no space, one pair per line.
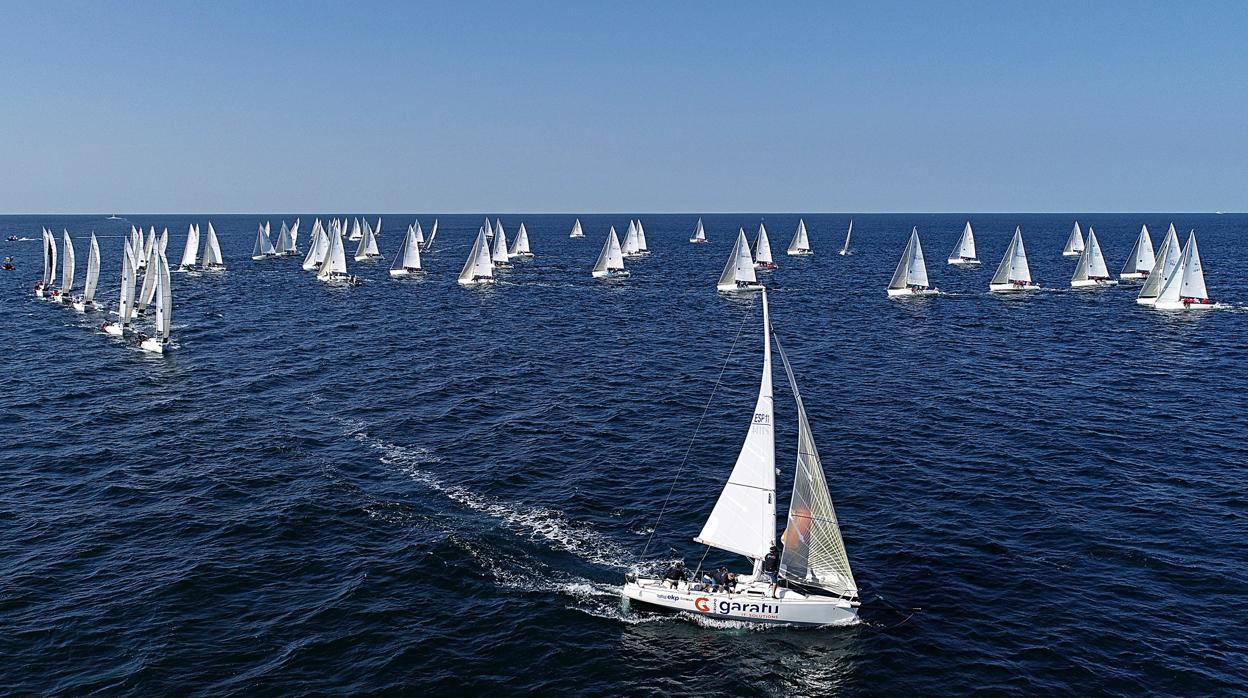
412,485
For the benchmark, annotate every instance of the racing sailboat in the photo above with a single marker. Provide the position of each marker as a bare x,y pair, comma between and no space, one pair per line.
1013,274
1140,260
800,244
910,277
610,264
738,274
964,253
1091,271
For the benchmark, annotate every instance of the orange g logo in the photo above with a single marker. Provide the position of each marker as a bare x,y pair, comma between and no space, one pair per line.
700,604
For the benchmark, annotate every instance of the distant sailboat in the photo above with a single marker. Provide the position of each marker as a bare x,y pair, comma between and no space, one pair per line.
159,344
845,248
264,246
407,261
67,269
498,226
762,250
125,297
576,230
294,238
478,269
86,301
1074,243
212,252
333,269
1013,274
631,247
738,274
499,255
283,246
699,233
319,245
356,232
520,247
418,233
1140,260
1185,289
964,252
367,249
799,246
488,227
190,253
610,264
642,248
49,267
433,232
1167,261
910,277
1091,270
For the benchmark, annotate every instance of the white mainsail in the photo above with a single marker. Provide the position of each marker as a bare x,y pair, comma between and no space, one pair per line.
1013,265
1091,262
744,518
520,246
294,238
699,233
433,232
641,239
1187,280
611,258
190,253
1141,258
368,243
911,270
93,271
1167,261
418,232
762,248
408,258
335,262
848,234
576,230
478,268
163,243
164,300
1074,243
965,249
51,256
148,290
630,245
212,251
740,267
283,245
125,301
500,255
498,226
800,244
67,264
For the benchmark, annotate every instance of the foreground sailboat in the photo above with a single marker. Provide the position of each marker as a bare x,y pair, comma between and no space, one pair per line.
159,343
1185,289
910,277
520,247
86,301
1140,260
1091,272
333,269
190,253
1013,274
762,250
699,233
479,268
407,261
738,274
800,244
212,252
849,233
816,585
610,264
964,252
1167,261
1074,243
576,230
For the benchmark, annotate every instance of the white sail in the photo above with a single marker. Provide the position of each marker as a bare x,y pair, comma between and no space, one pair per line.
164,299
408,257
1167,261
356,233
611,258
125,301
762,247
641,238
744,518
149,247
190,253
1141,258
699,233
93,271
282,246
47,260
630,244
317,248
163,243
1013,265
51,252
965,249
488,227
498,226
419,233
1074,243
740,266
520,246
294,238
1096,260
1188,278
264,246
911,270
212,250
67,264
148,289
500,255
433,232
368,244
848,234
478,266
335,262
814,551
576,230
800,244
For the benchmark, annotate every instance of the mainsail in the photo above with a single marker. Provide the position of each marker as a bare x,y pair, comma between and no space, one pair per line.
164,302
93,271
125,302
433,232
67,264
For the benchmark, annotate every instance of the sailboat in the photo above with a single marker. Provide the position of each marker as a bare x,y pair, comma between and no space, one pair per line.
407,261
799,246
190,253
1091,271
501,259
631,247
433,232
356,233
43,289
1074,243
520,246
478,269
1167,261
367,249
1140,260
264,246
738,274
576,230
294,238
149,248
125,297
212,252
910,277
318,247
610,264
86,301
699,233
418,232
489,227
845,248
817,586
1013,274
1185,289
282,246
642,248
964,252
159,343
67,270
333,269
147,290
762,250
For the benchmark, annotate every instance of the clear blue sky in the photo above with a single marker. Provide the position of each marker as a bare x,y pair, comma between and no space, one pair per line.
623,107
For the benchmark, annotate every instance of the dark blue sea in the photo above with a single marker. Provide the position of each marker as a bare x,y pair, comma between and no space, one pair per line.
412,486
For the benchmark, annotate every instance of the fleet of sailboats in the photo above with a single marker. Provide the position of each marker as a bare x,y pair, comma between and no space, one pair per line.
910,277
800,244
1091,271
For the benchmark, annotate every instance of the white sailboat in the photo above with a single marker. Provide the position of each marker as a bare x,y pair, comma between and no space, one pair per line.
1185,289
699,233
125,297
407,261
1167,261
282,246
630,247
1074,243
67,269
318,247
762,250
799,246
1140,260
478,269
149,248
642,248
520,246
333,269
498,226
294,238
576,230
418,232
367,249
86,301
159,343
845,248
816,583
738,274
433,232
501,259
488,227
212,252
964,252
1013,274
610,264
44,288
190,253
910,277
1091,271
147,290
264,246
356,232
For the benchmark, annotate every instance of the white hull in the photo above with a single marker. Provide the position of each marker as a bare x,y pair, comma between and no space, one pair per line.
38,293
1093,283
801,253
1180,305
215,269
696,241
1011,288
1072,254
738,288
843,253
635,255
403,272
82,307
1146,301
750,604
911,292
113,329
366,257
960,262
522,255
153,345
1134,275
610,274
475,282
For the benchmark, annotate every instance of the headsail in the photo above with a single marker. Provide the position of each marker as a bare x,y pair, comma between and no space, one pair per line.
1074,243
93,271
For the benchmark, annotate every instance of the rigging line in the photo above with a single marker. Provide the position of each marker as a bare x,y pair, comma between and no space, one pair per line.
692,439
